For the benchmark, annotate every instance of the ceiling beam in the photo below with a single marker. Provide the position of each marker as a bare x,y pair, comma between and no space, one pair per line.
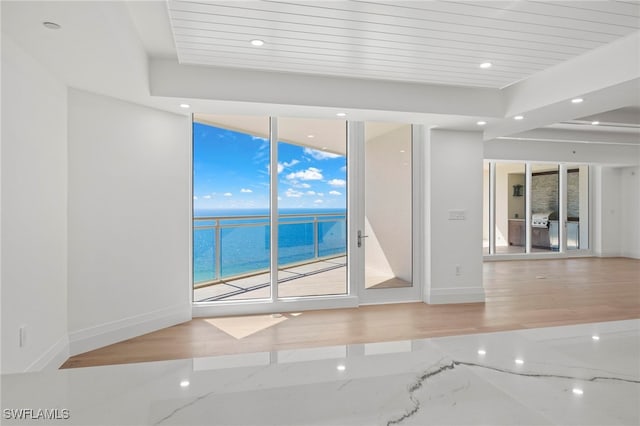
168,78
606,78
566,135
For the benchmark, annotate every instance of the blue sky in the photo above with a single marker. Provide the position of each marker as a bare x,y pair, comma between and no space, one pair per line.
231,171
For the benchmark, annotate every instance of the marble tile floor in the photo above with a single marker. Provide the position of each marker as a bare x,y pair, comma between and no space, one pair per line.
587,374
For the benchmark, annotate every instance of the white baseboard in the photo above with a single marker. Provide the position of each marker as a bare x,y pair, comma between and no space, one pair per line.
455,295
52,358
631,254
609,253
106,334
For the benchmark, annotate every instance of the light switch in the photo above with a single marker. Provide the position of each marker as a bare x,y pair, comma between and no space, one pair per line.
457,215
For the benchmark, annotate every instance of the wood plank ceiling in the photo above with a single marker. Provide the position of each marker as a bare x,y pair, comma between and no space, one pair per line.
438,42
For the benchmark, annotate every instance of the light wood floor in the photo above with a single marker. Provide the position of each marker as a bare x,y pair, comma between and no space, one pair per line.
519,294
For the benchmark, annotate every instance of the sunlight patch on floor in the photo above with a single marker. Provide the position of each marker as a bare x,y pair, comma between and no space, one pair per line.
241,327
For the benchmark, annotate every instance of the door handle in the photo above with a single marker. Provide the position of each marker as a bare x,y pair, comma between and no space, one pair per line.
360,237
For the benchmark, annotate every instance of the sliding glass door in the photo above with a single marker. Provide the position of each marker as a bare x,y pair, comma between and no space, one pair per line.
577,224
545,208
231,206
312,207
535,208
269,207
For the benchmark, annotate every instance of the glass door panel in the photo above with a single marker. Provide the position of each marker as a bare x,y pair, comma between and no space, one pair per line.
387,236
312,207
231,232
486,208
578,207
510,201
545,207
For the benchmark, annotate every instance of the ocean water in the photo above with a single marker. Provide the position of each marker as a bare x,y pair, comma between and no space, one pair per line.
245,242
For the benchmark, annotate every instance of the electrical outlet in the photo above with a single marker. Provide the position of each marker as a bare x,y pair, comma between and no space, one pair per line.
22,332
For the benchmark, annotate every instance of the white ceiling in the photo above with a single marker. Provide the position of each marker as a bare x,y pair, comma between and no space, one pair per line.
436,42
403,62
319,134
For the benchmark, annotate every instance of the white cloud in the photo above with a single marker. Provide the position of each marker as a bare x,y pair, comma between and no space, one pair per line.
284,165
337,182
293,193
228,194
318,202
279,198
343,169
311,192
311,173
304,185
245,190
320,155
207,197
335,193
195,197
320,194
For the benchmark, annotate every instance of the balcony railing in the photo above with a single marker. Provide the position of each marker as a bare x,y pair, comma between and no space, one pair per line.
226,247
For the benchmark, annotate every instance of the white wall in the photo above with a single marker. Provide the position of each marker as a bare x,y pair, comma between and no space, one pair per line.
129,198
607,207
630,211
455,167
34,213
574,152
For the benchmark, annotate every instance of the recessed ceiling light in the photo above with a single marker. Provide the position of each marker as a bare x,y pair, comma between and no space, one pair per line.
482,352
341,367
311,136
185,106
324,147
595,123
481,123
184,383
577,391
577,100
519,361
341,114
594,337
257,42
486,65
51,25
518,117
402,150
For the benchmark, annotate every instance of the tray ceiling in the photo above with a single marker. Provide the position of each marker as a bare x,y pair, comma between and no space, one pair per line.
437,42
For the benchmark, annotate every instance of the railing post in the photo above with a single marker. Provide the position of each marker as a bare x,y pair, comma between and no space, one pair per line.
218,250
316,241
